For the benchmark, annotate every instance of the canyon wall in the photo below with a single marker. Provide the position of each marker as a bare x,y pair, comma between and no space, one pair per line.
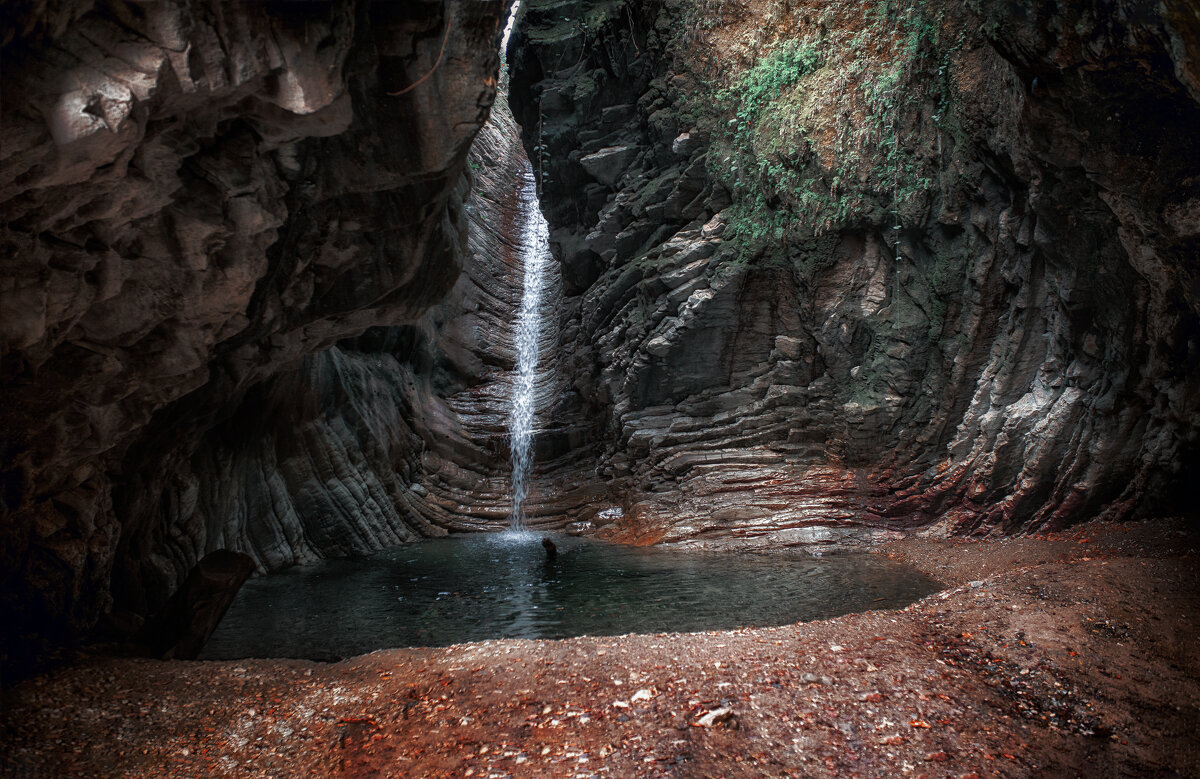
393,435
838,269
199,196
828,271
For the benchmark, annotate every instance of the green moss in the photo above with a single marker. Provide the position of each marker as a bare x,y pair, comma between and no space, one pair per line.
881,160
753,149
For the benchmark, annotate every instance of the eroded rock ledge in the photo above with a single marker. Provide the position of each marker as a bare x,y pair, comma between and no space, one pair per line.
197,195
393,435
856,265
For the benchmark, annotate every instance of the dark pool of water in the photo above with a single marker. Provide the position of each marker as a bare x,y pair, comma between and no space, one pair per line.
470,588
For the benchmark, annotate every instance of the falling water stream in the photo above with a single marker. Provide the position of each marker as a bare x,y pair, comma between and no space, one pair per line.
535,240
444,591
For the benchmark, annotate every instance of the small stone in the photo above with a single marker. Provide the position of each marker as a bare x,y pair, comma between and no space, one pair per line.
659,346
683,145
608,164
716,717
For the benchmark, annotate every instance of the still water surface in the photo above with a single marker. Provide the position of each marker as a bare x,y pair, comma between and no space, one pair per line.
470,588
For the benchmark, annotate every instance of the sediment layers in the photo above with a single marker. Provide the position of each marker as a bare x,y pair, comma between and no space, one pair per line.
397,434
859,267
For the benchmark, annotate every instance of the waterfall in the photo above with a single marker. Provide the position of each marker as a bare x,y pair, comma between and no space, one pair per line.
535,247
508,28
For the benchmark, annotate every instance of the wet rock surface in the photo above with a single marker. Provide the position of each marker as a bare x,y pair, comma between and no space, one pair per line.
1041,657
966,302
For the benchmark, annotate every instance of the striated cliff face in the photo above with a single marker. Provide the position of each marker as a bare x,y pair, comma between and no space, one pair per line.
828,270
197,195
393,435
840,268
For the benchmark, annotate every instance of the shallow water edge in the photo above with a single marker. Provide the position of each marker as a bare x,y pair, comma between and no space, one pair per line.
470,588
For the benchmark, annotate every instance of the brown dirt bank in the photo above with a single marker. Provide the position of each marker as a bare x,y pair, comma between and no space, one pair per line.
1065,655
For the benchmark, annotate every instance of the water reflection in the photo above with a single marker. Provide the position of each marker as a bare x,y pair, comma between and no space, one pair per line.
447,591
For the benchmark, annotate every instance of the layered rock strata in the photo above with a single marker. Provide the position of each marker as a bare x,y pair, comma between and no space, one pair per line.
834,269
849,267
196,196
397,434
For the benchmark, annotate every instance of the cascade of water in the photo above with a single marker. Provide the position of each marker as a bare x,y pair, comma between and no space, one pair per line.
535,243
508,28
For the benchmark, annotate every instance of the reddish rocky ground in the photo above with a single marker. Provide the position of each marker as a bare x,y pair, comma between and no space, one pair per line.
1067,655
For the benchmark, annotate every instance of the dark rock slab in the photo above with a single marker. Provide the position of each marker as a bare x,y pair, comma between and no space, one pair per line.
180,628
197,196
1003,341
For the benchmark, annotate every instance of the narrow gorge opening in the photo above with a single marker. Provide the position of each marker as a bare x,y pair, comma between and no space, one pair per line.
535,240
885,310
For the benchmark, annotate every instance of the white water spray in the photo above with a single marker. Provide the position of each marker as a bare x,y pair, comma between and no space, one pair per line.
508,28
535,243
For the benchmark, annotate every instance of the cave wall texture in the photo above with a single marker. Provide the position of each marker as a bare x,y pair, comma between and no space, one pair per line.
851,267
199,197
828,271
393,435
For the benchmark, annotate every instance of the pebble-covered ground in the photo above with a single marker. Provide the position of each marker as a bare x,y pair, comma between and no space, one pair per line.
1069,655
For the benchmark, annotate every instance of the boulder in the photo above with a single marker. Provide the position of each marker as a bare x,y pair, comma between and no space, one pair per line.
181,627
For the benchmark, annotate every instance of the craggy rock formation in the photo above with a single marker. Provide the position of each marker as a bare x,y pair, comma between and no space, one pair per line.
831,269
839,268
390,436
197,195
182,626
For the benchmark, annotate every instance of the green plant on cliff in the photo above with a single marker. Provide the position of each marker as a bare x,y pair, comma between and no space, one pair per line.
756,145
827,131
767,80
907,143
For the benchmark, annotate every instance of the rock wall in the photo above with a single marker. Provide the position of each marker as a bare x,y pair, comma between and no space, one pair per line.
837,269
829,270
197,195
396,434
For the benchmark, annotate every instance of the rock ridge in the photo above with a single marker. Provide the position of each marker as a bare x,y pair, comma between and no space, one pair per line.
862,268
198,196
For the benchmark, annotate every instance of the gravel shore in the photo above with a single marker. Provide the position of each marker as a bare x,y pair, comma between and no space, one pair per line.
1063,655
